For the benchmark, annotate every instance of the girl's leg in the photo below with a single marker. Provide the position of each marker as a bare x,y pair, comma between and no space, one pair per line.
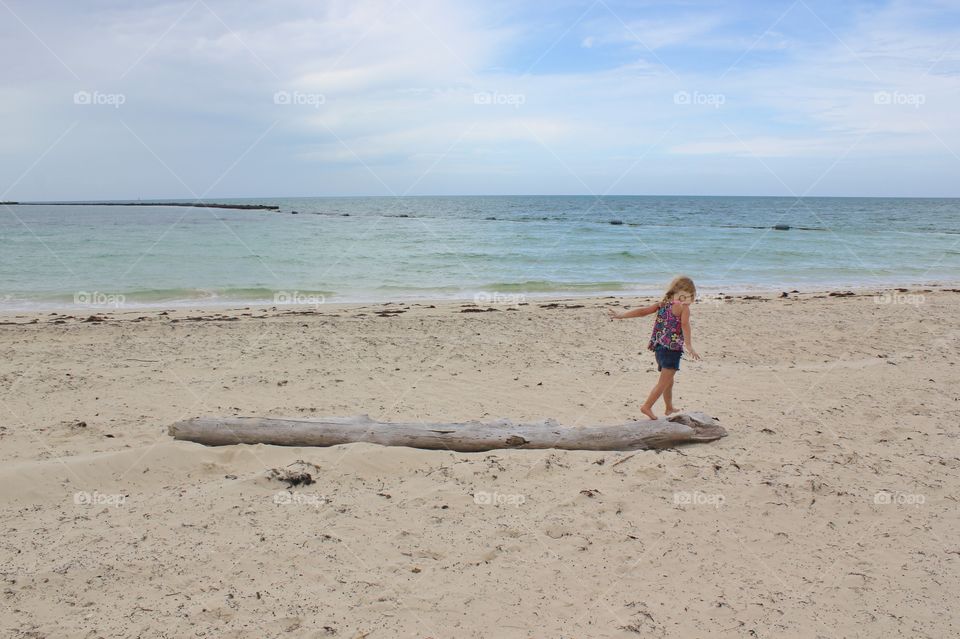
665,376
668,393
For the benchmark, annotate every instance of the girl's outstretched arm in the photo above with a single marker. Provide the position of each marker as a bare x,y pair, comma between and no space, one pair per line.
687,332
637,312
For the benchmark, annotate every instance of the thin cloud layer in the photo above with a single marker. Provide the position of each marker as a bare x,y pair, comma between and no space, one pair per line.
231,99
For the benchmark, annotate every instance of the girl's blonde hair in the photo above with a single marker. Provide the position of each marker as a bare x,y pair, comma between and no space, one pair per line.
679,284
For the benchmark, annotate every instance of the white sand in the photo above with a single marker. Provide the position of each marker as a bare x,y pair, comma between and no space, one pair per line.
834,405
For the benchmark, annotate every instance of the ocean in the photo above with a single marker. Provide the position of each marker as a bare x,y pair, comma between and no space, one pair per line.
502,248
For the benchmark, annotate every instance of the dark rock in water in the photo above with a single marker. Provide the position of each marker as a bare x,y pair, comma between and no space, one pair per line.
794,291
294,212
490,218
403,215
784,294
781,227
616,222
344,215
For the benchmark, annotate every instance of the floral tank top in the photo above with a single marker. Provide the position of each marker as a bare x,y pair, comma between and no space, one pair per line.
667,331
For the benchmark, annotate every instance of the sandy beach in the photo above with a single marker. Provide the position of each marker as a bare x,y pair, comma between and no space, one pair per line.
829,511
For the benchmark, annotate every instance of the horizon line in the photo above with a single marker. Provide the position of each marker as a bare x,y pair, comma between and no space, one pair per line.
517,195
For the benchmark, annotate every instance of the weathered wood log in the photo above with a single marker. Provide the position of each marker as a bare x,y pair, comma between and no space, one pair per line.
468,437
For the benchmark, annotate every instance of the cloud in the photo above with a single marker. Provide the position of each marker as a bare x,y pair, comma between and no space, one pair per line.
651,34
377,92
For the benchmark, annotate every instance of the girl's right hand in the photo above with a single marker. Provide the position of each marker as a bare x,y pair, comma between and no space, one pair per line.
613,314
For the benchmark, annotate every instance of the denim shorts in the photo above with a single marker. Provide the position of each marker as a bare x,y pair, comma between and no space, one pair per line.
667,358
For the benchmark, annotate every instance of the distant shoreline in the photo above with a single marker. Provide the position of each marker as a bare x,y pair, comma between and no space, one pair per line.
200,205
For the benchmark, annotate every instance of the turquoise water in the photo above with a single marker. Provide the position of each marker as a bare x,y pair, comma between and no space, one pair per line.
380,249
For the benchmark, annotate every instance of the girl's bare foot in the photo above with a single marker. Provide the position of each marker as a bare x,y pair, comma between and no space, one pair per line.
671,410
646,410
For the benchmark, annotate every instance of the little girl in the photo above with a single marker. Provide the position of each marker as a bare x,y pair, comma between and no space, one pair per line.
671,334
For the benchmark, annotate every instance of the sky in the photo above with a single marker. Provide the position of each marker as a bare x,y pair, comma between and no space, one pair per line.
191,99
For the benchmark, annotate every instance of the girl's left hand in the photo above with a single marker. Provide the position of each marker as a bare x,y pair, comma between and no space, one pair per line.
694,355
613,314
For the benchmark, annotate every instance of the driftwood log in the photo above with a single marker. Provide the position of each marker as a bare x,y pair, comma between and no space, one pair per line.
467,437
